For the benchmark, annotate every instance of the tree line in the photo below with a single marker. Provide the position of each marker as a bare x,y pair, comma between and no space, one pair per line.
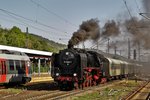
15,37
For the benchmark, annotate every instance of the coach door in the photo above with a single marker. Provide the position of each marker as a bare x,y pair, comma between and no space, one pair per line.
2,71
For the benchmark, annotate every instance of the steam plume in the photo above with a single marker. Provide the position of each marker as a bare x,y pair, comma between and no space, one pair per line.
88,30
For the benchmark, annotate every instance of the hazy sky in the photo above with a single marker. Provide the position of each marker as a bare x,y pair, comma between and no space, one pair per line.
60,18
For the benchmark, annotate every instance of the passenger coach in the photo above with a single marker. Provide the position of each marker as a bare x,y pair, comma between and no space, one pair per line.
14,67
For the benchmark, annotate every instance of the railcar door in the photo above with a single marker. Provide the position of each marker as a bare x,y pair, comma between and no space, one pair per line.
23,65
2,71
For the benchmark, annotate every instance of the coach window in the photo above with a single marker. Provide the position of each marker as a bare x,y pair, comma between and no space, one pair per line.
4,64
11,64
23,64
17,62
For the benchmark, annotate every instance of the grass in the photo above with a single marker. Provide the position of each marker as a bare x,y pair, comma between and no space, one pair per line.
11,90
111,93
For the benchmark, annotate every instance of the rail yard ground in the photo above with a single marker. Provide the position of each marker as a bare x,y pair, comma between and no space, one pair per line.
47,89
115,92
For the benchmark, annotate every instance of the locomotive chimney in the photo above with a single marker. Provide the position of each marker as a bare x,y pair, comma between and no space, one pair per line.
70,46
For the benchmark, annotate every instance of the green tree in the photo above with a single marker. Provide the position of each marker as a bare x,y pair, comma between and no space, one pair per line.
15,37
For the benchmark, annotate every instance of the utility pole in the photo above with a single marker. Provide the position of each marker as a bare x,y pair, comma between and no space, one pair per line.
26,37
115,49
129,49
83,45
120,52
97,44
77,45
139,50
134,54
108,45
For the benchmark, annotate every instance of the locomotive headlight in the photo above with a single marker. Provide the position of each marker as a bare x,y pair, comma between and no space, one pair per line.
67,53
75,74
57,74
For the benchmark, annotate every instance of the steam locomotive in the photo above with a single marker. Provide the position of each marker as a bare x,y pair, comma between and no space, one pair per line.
78,68
14,67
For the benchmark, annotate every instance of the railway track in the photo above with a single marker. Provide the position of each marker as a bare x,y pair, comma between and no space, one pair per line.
67,95
140,93
49,91
54,94
2,87
86,90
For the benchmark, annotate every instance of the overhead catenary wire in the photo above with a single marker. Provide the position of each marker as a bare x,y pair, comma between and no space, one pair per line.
137,6
37,11
51,12
34,21
103,40
140,13
43,30
4,18
143,15
25,24
127,8
129,13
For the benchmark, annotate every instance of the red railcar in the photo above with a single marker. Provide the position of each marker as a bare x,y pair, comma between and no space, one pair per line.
14,67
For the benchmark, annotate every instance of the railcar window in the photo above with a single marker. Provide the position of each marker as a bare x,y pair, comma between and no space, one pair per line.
4,64
17,62
23,64
11,64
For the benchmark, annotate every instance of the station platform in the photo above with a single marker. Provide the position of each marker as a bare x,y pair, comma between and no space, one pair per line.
41,78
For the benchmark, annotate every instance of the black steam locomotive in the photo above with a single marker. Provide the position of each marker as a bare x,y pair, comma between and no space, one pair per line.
77,68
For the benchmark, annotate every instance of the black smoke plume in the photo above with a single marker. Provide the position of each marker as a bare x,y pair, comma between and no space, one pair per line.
140,30
88,30
111,28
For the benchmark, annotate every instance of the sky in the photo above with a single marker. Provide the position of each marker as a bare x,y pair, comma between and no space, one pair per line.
58,19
